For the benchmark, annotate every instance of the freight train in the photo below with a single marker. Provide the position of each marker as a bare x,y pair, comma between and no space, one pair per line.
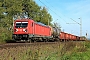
29,30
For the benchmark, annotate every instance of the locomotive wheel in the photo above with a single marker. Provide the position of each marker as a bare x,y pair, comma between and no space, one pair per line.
29,40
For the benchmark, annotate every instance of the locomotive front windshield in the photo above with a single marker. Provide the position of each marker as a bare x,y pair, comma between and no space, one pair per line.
21,24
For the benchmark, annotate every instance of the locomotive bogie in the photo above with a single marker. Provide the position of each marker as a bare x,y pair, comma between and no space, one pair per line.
20,36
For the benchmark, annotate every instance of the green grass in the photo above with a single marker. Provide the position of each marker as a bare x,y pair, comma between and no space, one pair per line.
59,51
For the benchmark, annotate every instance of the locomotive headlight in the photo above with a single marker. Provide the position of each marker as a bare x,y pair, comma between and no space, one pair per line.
25,30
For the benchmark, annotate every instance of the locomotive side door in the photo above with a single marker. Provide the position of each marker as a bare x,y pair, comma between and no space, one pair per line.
31,28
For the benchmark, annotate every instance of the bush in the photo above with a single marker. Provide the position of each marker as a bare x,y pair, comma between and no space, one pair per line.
4,35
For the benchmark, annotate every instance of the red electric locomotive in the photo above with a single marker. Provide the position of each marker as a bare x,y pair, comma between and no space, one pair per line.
26,29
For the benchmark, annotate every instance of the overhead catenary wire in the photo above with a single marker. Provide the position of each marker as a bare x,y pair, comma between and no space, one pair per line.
63,15
54,8
53,11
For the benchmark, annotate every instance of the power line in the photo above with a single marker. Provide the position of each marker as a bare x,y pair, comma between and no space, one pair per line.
51,5
63,15
52,10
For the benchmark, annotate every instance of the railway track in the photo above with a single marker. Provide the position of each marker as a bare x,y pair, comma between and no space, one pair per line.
21,44
12,45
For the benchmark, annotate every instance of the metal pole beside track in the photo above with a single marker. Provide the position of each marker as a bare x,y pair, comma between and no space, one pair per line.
80,27
79,24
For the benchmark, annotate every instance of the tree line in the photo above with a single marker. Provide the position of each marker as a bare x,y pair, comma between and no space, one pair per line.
9,8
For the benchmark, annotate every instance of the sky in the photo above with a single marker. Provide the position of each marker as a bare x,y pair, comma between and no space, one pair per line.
65,11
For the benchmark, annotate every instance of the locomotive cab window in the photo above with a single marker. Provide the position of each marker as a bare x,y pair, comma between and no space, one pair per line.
21,24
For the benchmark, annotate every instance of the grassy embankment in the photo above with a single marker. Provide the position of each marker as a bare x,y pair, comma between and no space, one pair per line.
59,51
